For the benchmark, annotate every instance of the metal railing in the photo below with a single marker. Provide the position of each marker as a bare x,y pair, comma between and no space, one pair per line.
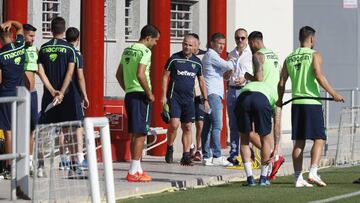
20,131
353,103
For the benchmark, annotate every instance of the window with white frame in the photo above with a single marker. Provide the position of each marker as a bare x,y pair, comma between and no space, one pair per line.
180,19
131,24
50,10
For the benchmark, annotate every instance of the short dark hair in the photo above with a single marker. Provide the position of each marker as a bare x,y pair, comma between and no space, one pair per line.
58,25
72,34
196,36
216,36
149,31
255,35
29,27
306,32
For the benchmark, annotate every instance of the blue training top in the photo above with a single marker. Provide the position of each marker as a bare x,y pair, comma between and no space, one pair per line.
182,75
55,55
12,60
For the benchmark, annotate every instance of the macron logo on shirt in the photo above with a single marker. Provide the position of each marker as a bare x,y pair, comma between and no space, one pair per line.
186,73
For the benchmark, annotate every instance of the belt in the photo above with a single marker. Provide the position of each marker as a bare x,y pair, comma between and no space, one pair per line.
236,87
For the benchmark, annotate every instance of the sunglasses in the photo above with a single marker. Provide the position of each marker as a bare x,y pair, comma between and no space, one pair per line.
238,38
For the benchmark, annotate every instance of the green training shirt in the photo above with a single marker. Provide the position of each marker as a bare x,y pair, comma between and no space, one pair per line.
132,56
271,66
31,57
271,76
303,81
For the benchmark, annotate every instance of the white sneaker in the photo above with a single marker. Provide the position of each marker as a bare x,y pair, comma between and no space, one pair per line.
315,179
207,161
31,168
221,161
302,183
40,173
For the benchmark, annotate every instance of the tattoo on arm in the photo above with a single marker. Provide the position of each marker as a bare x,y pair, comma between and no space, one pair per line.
257,64
277,127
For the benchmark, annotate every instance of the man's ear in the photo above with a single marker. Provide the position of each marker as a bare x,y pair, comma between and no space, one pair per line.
312,39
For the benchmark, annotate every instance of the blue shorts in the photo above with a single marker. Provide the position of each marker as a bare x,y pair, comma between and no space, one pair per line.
34,110
182,108
69,109
5,111
138,110
253,107
199,114
307,122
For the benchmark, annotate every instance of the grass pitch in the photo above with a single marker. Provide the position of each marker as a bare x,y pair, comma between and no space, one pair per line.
339,182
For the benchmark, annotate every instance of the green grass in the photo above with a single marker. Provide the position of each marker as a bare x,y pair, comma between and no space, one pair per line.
339,182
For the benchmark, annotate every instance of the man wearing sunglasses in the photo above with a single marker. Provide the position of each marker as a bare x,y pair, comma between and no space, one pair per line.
242,55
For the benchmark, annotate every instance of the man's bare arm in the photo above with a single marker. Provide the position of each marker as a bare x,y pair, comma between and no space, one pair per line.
164,84
284,75
203,90
82,85
316,64
258,62
17,25
120,76
277,128
45,80
143,82
68,77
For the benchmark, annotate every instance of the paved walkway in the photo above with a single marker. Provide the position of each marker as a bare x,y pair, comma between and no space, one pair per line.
174,176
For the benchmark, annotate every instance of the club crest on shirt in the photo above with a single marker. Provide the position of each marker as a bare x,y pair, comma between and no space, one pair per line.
53,57
193,66
17,60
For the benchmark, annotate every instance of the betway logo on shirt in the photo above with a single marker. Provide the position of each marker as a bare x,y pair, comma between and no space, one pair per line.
186,73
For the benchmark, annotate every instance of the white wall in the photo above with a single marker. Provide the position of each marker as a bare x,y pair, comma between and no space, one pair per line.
274,18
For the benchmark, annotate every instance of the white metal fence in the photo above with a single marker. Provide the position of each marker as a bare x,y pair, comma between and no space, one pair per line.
348,143
72,184
20,128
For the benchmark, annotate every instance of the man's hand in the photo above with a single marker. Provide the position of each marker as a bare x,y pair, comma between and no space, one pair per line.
151,97
6,26
206,106
163,100
239,80
272,155
228,74
338,98
85,103
58,97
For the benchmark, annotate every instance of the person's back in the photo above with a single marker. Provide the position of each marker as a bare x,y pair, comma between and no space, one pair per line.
55,55
12,59
132,56
271,70
57,61
307,120
303,81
